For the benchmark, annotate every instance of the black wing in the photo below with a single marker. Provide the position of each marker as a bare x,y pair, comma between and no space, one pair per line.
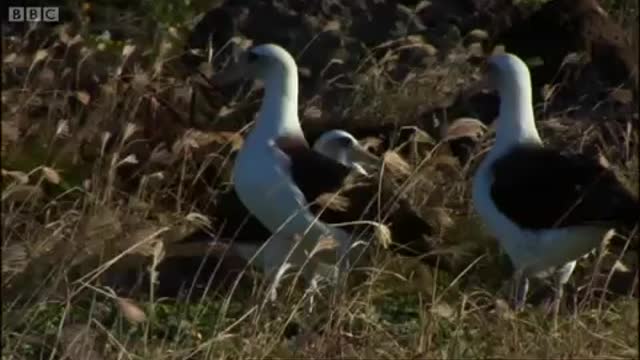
236,222
367,199
541,188
316,174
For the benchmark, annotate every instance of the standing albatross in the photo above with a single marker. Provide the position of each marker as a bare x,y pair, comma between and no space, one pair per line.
280,179
546,208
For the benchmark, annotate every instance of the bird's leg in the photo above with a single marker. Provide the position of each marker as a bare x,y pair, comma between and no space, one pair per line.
276,277
311,277
280,256
313,290
560,278
557,299
600,252
344,265
343,271
274,256
521,287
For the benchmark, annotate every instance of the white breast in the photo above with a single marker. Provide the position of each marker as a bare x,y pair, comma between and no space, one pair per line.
515,241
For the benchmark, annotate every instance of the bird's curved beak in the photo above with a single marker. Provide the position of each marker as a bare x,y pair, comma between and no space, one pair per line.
364,161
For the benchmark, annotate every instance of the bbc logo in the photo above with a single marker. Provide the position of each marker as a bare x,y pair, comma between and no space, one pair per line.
34,14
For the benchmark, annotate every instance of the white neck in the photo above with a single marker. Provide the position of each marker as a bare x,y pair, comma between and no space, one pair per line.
516,123
278,114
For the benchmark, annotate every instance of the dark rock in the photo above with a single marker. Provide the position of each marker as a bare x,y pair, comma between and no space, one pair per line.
561,27
468,15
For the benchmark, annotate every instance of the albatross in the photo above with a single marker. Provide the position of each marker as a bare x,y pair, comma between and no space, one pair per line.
345,149
238,223
546,208
279,179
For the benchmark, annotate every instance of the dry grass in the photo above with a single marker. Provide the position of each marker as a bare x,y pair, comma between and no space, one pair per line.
101,175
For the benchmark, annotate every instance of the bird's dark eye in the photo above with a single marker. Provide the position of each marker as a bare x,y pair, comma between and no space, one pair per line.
252,57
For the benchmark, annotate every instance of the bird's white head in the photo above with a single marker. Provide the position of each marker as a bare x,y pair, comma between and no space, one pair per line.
344,148
277,69
269,63
509,75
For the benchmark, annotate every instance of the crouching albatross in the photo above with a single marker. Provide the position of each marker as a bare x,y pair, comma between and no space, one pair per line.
345,149
545,208
281,180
